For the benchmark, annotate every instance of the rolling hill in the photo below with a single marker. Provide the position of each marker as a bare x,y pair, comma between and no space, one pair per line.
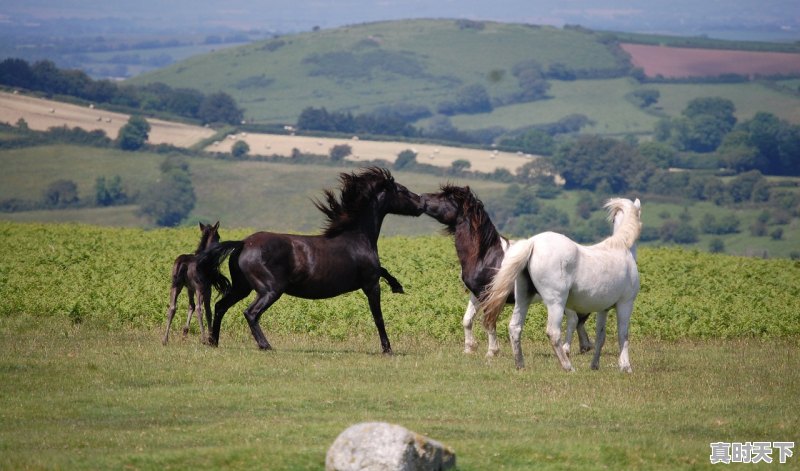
424,63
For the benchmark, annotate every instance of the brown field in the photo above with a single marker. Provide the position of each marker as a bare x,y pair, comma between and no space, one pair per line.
43,114
440,156
688,62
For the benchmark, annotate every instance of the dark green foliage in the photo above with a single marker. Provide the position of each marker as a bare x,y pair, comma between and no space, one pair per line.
406,158
716,245
345,65
387,122
704,124
591,162
172,198
340,151
645,97
727,224
240,149
60,194
111,192
220,108
534,141
133,135
469,100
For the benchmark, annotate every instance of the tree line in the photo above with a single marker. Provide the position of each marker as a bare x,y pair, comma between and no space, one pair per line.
43,76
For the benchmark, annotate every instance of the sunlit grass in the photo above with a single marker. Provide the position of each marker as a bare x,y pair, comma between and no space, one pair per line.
79,396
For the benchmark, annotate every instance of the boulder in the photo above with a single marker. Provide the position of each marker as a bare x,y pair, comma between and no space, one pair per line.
380,446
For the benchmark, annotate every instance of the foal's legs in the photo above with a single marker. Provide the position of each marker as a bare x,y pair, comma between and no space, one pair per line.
600,339
173,300
373,293
192,309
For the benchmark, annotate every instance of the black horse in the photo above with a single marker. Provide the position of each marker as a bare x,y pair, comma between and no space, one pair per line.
343,258
480,249
184,274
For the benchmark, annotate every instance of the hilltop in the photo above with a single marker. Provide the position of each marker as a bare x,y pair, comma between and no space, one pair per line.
423,64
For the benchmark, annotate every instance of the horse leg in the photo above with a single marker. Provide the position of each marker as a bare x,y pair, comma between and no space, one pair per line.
373,293
253,315
572,323
583,337
602,317
393,283
623,321
522,300
173,298
555,314
236,294
192,308
202,303
470,345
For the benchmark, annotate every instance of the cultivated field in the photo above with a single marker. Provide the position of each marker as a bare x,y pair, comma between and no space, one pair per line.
42,114
440,156
691,62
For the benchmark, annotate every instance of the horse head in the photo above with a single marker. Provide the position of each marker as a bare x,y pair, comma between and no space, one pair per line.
209,236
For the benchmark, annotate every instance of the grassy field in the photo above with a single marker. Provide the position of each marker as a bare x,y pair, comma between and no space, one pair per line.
78,397
86,383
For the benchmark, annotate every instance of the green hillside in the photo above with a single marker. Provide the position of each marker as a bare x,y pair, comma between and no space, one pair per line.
362,67
425,62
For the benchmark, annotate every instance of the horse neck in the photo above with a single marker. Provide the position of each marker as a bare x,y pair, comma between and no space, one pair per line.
470,244
369,225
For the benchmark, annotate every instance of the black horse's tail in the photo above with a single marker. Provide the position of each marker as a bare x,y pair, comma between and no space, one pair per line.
208,263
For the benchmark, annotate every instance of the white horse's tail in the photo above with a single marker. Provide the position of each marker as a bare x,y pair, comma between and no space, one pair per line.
515,260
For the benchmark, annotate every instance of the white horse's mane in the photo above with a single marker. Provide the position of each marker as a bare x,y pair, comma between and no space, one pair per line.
627,233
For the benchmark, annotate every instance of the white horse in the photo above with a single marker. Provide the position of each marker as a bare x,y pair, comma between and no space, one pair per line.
571,276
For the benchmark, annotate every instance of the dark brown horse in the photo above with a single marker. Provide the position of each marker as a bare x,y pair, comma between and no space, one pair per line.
184,274
343,258
480,249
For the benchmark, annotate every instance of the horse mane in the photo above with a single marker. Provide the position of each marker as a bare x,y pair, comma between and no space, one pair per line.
207,232
356,191
472,208
628,232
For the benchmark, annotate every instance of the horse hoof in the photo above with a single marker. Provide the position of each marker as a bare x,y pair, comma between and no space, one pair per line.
492,353
398,291
626,369
588,348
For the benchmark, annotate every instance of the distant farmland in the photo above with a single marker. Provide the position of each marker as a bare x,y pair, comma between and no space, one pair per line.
674,62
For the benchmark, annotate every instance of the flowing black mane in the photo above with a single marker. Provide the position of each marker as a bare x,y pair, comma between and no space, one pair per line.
473,210
357,190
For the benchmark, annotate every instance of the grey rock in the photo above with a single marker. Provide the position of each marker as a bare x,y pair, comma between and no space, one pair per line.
380,446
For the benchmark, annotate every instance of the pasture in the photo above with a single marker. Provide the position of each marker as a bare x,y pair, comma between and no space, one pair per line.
87,384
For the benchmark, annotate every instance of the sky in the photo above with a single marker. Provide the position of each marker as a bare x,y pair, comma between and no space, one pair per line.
686,17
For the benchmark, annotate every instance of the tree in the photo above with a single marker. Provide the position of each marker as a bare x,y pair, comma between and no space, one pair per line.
134,134
172,198
220,108
406,158
593,162
340,151
109,193
240,149
470,99
459,166
645,97
61,193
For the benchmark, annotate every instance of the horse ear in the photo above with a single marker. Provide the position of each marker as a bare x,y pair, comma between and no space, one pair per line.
216,226
202,227
637,204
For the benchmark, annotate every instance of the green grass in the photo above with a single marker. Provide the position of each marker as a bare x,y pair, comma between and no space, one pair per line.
447,57
86,383
79,397
602,101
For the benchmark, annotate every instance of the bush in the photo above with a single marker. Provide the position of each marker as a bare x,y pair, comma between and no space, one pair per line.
60,194
134,134
240,149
